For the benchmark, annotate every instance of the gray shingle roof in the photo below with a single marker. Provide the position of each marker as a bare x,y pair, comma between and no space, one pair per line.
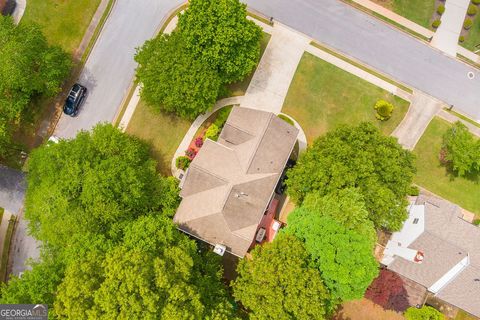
230,182
446,240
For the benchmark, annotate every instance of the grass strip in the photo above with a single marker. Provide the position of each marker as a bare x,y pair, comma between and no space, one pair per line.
6,248
98,29
361,66
461,116
173,15
1,214
260,18
387,20
468,61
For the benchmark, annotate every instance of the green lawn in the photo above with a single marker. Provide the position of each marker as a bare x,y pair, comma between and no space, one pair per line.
63,21
322,96
434,177
473,37
239,88
6,249
462,315
164,132
419,11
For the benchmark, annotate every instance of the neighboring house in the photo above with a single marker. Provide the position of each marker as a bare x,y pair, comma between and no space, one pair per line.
439,250
228,189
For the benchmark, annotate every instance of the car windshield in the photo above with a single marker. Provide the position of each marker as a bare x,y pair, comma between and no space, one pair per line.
69,103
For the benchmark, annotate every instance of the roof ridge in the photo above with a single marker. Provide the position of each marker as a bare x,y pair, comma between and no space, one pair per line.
257,144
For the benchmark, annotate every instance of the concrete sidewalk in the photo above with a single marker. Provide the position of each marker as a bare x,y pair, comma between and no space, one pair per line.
446,37
453,118
359,72
422,109
272,78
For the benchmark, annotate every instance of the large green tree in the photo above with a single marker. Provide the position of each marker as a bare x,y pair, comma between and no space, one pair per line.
359,157
346,206
93,184
110,247
29,67
344,257
158,266
172,80
277,283
462,150
219,33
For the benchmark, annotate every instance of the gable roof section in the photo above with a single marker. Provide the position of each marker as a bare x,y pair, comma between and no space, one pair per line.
230,182
451,247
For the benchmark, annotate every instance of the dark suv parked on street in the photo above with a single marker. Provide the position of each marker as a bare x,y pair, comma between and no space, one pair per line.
75,99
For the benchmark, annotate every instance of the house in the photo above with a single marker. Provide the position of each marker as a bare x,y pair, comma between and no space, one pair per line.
229,186
439,250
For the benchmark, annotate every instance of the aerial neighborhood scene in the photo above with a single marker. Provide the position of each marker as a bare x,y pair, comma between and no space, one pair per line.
240,159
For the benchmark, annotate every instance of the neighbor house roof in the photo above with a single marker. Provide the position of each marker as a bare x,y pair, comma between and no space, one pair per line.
451,253
229,184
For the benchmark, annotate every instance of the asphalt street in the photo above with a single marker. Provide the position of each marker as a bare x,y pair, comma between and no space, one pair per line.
12,189
110,67
381,46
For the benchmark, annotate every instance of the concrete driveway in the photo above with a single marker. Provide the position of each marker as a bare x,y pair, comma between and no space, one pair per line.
381,46
110,68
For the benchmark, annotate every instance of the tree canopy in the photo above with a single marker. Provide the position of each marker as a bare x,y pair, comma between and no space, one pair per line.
344,257
29,67
174,81
359,157
154,263
277,282
424,313
93,184
110,247
214,44
218,33
346,206
462,150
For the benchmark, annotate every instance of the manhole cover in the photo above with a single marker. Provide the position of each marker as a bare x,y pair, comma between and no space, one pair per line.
471,75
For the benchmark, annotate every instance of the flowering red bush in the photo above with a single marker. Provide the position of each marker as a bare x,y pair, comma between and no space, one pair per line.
199,142
387,290
191,153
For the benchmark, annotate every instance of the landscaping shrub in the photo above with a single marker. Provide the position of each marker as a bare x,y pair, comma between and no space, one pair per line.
199,142
441,9
461,39
212,132
191,153
384,110
476,2
413,191
222,116
467,24
286,119
472,10
425,313
436,23
182,162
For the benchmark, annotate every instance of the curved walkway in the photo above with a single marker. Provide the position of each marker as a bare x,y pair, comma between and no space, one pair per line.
19,10
194,128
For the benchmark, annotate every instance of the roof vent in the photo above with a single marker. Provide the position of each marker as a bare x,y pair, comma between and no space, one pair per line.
219,249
